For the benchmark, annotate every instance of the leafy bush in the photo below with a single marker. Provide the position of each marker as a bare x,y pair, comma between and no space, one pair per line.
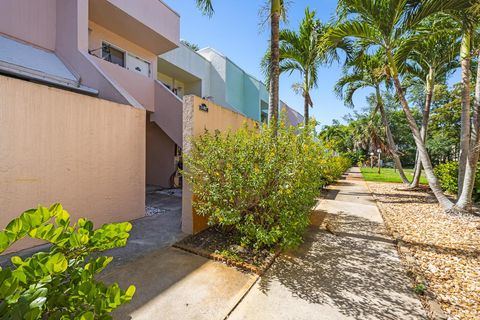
263,187
447,174
60,284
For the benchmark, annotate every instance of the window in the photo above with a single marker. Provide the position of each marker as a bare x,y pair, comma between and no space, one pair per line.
113,55
126,60
137,64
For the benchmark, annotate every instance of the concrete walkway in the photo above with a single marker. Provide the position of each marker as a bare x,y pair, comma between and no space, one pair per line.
171,284
355,274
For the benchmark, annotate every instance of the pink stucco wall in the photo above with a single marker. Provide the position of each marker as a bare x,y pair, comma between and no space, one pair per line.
30,21
168,113
138,86
72,47
149,12
160,156
149,23
58,146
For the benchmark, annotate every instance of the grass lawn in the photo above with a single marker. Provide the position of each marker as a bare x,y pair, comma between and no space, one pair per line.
388,175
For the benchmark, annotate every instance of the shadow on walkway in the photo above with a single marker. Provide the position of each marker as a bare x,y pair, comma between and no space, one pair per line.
348,271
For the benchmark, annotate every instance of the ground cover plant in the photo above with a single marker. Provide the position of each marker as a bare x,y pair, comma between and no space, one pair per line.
60,283
260,185
388,175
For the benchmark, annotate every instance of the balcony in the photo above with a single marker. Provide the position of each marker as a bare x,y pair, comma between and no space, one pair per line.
151,24
152,95
141,88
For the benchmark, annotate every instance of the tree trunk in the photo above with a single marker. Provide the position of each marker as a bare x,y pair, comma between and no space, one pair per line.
391,143
465,117
444,202
306,102
465,200
275,64
430,85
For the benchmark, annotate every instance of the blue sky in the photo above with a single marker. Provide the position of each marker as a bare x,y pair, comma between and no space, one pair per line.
235,30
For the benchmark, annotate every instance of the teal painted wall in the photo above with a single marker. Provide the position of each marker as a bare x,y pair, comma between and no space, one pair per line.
243,91
252,97
234,94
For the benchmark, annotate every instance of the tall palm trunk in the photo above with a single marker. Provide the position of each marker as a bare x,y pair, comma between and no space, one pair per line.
306,101
423,130
465,117
391,143
433,182
275,63
465,199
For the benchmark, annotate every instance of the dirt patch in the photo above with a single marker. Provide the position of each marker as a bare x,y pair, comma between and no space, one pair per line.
441,251
224,246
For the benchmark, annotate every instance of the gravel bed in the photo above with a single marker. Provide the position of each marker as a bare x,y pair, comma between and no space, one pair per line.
439,249
152,211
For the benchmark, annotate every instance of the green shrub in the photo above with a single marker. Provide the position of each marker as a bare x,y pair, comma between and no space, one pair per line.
447,174
60,284
261,186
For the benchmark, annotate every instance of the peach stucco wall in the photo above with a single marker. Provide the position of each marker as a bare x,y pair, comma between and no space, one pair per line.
195,121
30,21
160,156
58,146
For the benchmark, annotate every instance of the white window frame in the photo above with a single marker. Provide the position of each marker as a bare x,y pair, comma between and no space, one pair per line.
126,53
116,48
141,59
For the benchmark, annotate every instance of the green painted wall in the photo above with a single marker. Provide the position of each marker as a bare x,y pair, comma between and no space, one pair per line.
243,91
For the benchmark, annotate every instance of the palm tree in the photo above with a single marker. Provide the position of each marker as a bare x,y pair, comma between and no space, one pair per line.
277,12
367,71
467,20
388,24
366,133
465,198
429,63
299,52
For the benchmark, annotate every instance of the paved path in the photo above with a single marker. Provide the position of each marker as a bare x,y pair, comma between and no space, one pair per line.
173,284
355,274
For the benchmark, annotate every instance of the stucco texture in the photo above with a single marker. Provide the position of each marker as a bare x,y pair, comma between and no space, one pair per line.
58,146
160,156
195,121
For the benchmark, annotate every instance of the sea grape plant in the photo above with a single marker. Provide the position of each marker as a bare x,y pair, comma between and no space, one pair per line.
60,283
259,184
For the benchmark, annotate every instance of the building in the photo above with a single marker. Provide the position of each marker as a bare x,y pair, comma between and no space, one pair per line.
75,131
208,73
91,109
293,118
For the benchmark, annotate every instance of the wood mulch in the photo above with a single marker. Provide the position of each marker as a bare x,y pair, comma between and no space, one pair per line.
224,246
440,250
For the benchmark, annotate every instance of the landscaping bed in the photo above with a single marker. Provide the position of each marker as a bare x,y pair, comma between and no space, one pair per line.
441,251
224,246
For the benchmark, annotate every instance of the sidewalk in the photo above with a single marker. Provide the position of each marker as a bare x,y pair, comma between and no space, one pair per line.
354,274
